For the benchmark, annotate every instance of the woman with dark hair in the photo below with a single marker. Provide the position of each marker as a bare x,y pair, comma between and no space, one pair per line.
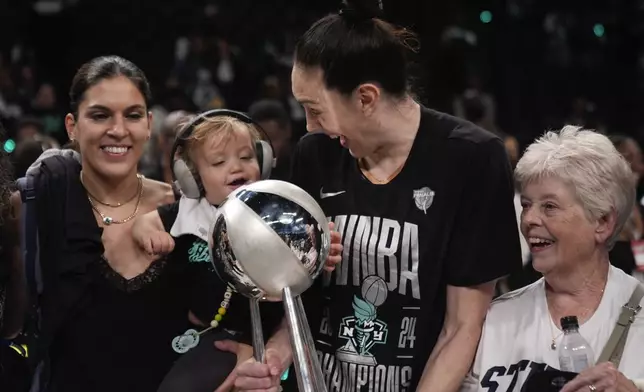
424,202
109,311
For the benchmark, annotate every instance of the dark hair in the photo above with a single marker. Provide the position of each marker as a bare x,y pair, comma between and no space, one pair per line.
356,46
106,67
6,180
269,110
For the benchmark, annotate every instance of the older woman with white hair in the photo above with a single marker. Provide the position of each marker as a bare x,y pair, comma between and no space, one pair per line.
577,192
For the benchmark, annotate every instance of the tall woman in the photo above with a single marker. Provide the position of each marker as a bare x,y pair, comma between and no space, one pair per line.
424,202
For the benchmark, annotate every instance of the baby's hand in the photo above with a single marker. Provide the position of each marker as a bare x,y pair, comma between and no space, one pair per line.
148,233
156,242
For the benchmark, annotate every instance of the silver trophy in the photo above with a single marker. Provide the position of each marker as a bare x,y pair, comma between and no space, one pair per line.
269,241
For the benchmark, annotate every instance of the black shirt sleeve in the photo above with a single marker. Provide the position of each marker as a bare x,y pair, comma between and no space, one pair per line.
168,214
484,243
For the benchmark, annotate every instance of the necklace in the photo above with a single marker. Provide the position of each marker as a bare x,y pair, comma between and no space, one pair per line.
365,172
553,345
118,204
190,339
108,220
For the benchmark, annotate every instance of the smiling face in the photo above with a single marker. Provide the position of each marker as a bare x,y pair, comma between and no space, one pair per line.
557,228
225,160
338,116
111,127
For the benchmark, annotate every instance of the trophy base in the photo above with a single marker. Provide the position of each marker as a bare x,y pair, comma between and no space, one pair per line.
354,357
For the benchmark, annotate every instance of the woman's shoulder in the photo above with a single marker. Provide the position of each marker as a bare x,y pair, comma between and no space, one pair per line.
56,161
624,286
159,193
508,304
621,279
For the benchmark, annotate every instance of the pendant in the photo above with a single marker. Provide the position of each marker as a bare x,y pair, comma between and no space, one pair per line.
107,220
553,345
183,343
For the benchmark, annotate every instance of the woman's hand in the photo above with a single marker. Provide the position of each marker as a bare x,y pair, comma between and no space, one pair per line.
250,375
601,378
335,252
244,353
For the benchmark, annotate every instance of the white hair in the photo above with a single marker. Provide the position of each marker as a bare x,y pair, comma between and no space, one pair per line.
587,161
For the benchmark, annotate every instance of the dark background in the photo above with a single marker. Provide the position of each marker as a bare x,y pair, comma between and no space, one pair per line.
535,75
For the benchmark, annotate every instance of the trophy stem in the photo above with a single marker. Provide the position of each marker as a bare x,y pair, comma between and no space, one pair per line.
258,333
308,338
307,367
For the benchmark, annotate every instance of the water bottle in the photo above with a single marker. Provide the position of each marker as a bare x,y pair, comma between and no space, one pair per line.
575,354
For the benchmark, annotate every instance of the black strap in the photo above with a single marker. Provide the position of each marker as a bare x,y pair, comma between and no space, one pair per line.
30,250
30,236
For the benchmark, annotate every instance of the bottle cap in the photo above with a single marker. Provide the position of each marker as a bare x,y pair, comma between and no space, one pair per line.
569,322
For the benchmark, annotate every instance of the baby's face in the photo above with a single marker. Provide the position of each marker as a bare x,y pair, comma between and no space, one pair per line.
226,162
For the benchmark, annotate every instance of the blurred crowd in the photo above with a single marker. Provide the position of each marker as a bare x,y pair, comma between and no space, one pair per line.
219,64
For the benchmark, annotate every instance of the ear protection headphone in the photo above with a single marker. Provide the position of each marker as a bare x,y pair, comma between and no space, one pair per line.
189,183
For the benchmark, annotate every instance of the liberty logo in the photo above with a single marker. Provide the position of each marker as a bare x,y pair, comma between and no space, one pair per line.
198,252
362,330
424,197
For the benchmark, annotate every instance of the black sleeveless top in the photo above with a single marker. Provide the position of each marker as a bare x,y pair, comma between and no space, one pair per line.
101,332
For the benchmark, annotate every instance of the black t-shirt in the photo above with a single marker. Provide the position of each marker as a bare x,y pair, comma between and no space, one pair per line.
448,218
208,290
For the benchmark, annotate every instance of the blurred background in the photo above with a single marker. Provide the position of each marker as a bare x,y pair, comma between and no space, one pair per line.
513,66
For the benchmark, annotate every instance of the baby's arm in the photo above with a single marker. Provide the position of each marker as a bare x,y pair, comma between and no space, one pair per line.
149,234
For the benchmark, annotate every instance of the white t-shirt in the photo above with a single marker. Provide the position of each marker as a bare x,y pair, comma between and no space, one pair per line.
518,333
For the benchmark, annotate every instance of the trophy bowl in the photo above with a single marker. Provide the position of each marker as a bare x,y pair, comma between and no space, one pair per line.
268,236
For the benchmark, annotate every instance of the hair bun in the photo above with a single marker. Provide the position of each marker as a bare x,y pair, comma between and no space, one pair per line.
362,9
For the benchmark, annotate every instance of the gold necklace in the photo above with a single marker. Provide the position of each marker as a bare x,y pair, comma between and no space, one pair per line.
118,204
553,345
365,172
108,220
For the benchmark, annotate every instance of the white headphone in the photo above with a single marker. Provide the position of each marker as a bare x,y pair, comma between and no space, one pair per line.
188,182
